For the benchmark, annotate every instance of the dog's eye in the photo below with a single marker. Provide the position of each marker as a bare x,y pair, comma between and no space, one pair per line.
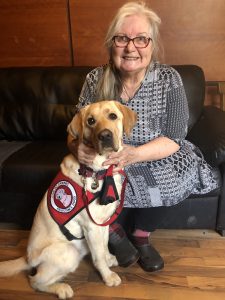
112,116
91,121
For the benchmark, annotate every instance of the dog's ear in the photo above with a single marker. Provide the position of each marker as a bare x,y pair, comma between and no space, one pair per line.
75,127
129,117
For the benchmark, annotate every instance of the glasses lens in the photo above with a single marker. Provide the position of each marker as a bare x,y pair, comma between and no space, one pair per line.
121,40
141,41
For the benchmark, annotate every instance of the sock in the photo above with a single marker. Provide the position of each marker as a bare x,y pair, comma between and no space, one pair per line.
116,233
141,237
141,233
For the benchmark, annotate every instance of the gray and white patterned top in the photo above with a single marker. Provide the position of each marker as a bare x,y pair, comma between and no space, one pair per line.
162,110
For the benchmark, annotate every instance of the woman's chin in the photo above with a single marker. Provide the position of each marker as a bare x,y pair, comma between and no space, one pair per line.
132,66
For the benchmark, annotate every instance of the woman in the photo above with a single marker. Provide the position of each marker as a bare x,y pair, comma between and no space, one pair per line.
161,166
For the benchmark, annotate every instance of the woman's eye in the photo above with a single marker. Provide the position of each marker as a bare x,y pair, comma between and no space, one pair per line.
122,38
112,116
91,121
141,38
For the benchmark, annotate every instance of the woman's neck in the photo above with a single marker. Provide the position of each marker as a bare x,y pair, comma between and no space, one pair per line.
132,79
130,83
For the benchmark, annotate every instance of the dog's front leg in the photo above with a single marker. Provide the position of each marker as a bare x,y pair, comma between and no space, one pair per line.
110,259
96,243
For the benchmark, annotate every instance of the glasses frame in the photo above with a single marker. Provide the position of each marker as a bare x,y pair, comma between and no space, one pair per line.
129,39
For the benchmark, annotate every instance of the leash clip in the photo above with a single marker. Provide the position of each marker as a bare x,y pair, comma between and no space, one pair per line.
95,183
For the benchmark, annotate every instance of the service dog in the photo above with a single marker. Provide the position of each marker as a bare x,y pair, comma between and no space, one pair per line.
56,244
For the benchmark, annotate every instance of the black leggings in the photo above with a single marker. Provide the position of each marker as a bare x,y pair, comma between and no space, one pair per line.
147,219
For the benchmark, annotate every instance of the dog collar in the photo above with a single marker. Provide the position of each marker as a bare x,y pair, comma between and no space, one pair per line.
89,172
86,172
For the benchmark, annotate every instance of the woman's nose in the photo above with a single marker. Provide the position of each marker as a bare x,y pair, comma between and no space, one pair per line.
130,46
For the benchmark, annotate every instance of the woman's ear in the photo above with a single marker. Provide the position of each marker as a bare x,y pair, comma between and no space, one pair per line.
129,118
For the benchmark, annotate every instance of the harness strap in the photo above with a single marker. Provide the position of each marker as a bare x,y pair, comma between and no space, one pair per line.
66,231
68,234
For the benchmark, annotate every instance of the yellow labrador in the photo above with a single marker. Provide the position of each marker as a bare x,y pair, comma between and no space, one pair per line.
56,244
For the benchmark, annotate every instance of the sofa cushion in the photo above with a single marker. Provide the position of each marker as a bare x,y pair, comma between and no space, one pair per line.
8,148
31,169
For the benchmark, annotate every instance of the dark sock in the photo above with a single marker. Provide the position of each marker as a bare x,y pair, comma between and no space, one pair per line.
140,241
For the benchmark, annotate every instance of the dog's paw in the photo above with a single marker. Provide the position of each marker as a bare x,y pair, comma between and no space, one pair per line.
64,291
111,260
113,279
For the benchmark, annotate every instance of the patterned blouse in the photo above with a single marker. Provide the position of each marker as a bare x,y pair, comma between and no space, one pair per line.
162,110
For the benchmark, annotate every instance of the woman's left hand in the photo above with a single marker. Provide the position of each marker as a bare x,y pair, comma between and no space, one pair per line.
125,157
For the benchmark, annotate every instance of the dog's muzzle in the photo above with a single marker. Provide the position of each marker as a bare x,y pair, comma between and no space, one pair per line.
106,139
105,136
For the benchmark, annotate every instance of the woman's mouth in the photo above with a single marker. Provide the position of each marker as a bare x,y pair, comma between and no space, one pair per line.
130,58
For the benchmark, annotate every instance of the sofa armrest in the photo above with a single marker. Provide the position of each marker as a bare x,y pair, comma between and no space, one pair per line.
209,135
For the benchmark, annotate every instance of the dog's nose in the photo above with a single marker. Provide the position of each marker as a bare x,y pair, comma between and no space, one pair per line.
105,135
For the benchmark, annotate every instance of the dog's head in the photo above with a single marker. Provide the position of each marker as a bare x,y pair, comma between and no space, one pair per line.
102,124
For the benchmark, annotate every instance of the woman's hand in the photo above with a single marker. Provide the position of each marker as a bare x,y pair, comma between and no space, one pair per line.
125,157
84,154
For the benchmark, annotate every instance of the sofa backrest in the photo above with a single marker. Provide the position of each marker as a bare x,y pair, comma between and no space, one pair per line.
39,102
194,83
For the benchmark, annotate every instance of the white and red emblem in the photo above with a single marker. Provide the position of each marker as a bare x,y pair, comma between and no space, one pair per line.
63,197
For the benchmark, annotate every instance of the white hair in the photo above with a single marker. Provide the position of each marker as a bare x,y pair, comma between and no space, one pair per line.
109,87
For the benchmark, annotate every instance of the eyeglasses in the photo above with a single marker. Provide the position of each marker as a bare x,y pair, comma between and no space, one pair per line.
123,41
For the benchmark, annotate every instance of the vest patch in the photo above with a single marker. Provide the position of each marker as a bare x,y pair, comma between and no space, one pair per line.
64,199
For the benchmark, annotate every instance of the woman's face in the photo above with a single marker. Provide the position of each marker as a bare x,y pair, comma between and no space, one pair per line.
131,59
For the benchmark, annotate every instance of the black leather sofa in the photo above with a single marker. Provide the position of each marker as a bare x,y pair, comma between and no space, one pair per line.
37,103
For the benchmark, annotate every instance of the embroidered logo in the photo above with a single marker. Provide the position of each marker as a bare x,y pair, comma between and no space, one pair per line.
63,197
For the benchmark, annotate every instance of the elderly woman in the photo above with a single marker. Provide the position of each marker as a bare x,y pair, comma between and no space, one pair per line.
162,167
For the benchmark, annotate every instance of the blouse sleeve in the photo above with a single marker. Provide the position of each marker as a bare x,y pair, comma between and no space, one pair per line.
88,91
177,109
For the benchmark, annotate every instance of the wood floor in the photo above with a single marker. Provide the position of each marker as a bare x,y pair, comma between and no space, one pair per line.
194,269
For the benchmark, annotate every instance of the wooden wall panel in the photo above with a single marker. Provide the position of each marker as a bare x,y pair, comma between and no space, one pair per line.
193,32
89,23
34,32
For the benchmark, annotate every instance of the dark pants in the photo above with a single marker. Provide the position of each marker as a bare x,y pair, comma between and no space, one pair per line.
147,219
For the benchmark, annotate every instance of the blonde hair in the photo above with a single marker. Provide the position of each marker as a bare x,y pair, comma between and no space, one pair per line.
109,86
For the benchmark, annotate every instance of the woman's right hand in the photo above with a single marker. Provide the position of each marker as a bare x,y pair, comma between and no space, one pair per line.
84,154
